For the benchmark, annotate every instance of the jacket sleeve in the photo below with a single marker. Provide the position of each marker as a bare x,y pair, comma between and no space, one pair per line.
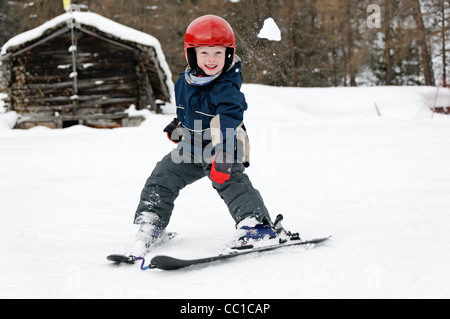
230,105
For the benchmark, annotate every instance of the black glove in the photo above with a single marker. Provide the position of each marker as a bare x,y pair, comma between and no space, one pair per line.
172,131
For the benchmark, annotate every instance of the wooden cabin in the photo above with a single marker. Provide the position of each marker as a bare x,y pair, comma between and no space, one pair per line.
81,68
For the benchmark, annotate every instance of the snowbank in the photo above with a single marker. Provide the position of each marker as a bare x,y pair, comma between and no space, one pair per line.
405,103
8,120
391,102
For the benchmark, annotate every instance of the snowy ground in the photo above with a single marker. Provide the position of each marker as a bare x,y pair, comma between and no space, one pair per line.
322,157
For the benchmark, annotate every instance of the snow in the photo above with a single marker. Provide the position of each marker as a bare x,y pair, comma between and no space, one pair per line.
8,120
322,157
270,31
64,66
101,23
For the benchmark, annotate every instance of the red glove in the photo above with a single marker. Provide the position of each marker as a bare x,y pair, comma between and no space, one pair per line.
221,172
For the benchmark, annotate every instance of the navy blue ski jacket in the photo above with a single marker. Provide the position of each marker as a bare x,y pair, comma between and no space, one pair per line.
197,106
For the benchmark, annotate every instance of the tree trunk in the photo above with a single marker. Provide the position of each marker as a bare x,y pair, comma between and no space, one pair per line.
444,53
387,44
424,52
294,61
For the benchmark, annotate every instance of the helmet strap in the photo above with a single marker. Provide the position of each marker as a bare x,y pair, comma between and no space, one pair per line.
229,58
192,59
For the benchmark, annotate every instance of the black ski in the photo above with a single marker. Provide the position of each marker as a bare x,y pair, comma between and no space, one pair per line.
170,263
121,259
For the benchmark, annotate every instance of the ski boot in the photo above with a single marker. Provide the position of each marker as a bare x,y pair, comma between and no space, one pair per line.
148,236
251,234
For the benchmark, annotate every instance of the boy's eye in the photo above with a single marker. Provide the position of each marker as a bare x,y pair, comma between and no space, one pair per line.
207,53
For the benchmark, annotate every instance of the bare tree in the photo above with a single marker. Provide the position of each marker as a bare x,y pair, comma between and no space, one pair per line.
424,51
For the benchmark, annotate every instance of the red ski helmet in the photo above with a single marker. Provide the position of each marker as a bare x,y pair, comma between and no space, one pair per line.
209,31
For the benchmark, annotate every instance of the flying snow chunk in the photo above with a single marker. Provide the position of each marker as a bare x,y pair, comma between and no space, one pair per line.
270,31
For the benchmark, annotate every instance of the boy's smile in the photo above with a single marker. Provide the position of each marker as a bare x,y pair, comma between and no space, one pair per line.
211,59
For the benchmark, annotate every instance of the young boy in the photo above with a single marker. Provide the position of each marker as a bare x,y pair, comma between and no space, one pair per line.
211,138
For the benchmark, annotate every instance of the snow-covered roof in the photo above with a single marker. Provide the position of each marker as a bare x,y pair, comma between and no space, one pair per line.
100,23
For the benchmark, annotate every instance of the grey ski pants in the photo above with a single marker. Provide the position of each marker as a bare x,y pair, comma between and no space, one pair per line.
169,178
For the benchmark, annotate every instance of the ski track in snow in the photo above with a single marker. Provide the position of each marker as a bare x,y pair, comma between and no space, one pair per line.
380,186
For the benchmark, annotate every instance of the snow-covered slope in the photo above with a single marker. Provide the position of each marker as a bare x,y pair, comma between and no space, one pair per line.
322,157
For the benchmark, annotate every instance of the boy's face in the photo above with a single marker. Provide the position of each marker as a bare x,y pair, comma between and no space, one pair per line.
211,59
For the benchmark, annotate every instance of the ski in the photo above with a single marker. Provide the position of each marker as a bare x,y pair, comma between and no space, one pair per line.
131,259
122,258
171,263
